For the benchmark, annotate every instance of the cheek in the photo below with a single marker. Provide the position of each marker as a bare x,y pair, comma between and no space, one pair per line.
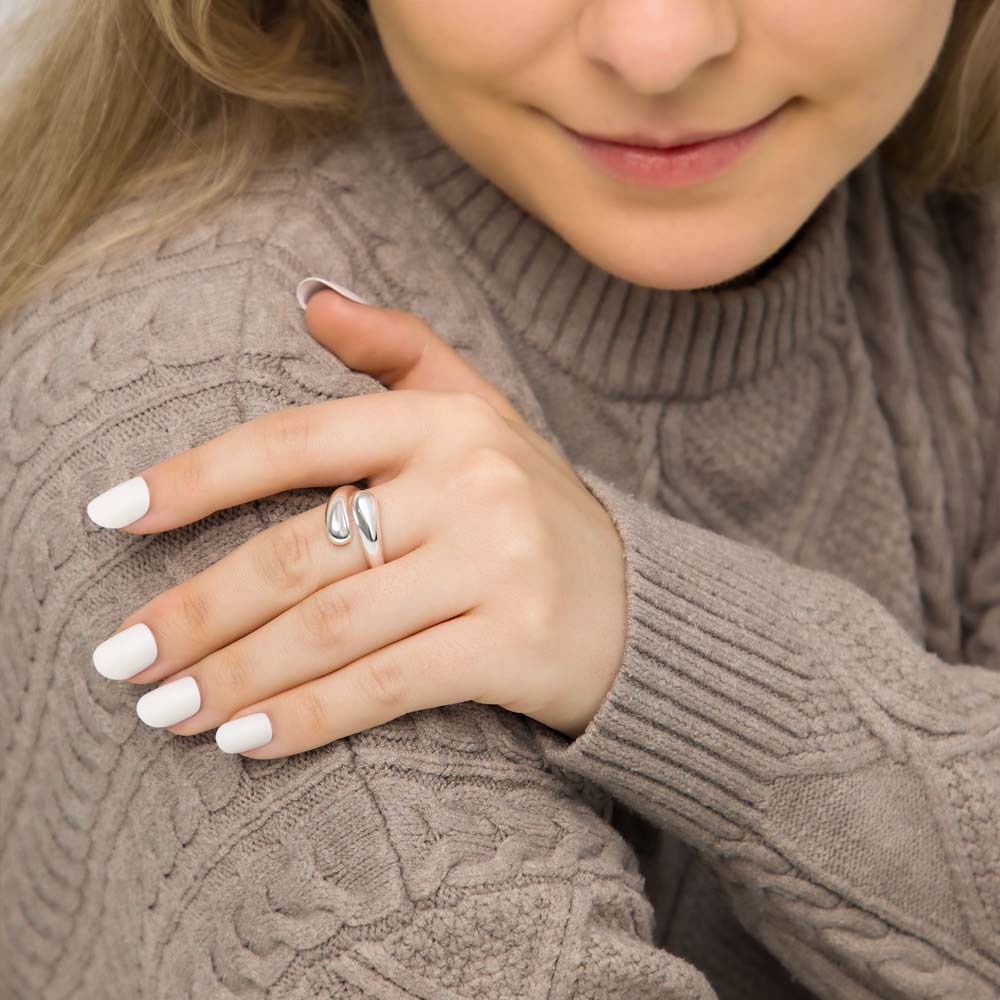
472,39
855,52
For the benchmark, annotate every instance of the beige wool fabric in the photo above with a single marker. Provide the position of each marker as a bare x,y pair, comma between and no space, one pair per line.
792,789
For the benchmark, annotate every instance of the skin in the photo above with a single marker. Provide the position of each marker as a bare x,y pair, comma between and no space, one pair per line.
498,602
518,598
493,79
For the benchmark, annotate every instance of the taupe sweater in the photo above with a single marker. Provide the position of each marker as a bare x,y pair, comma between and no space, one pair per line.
793,787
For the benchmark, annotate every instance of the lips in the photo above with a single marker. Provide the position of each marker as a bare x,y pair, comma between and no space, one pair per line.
641,141
678,165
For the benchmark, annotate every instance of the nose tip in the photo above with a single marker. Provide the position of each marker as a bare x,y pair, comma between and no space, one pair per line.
655,48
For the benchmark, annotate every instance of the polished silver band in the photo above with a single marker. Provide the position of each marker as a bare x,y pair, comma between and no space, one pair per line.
364,514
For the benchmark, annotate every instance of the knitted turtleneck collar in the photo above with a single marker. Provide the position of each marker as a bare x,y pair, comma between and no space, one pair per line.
617,337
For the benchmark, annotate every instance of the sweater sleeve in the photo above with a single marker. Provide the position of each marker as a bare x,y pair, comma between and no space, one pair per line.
843,782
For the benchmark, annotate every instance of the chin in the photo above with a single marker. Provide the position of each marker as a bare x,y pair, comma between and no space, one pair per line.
682,268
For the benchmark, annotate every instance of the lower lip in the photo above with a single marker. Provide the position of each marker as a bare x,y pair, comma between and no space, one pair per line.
677,166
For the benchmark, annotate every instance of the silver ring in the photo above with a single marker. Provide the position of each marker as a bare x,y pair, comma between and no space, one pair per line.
365,515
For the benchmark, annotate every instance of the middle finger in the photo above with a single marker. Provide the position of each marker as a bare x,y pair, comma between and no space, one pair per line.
329,629
273,571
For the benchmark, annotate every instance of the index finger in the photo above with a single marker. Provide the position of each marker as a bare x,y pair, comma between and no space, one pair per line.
335,441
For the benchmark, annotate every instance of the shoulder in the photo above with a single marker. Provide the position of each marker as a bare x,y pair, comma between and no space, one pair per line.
924,284
142,354
955,274
968,227
222,291
206,322
930,270
151,350
223,287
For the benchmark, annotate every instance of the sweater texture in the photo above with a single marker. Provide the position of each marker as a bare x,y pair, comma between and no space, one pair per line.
792,789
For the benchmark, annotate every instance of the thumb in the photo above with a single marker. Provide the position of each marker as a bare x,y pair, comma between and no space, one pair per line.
392,345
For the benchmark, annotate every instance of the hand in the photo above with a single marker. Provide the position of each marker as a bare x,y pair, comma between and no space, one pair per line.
503,580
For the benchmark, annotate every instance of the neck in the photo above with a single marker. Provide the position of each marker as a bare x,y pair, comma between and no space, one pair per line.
617,336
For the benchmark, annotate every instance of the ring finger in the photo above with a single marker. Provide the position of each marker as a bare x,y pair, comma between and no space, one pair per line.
333,627
430,668
254,583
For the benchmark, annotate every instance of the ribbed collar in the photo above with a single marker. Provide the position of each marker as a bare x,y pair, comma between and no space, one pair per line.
618,337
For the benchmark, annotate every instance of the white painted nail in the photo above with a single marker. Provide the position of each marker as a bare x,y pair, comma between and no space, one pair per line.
308,287
125,653
170,703
120,505
245,733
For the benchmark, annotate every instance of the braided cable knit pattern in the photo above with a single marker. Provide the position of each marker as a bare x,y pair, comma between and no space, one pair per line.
809,697
434,856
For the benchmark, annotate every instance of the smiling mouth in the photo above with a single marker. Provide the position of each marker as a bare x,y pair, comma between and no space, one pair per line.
638,141
677,165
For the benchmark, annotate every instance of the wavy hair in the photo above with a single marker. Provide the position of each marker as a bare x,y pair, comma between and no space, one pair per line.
184,98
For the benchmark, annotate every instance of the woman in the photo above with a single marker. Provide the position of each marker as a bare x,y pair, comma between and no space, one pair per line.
658,654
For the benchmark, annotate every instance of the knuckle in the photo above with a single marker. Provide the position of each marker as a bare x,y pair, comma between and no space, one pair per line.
539,619
192,476
477,415
195,613
233,676
411,321
496,475
380,681
516,546
287,436
313,712
326,616
282,559
474,405
468,417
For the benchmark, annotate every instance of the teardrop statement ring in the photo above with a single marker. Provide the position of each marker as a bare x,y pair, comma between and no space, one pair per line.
363,512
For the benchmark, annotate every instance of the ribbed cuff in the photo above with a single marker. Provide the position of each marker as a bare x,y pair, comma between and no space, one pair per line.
715,689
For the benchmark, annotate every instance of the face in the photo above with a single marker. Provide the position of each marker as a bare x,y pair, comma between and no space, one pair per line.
502,82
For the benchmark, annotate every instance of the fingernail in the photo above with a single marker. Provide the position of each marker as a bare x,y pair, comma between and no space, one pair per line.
169,703
245,733
308,287
120,505
125,653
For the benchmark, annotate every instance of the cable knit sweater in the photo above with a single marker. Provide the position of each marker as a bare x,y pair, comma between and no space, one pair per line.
791,790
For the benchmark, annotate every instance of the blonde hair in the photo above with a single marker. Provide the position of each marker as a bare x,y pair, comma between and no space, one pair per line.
185,98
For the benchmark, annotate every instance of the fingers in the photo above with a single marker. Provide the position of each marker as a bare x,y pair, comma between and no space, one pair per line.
256,582
336,441
397,348
336,625
441,665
